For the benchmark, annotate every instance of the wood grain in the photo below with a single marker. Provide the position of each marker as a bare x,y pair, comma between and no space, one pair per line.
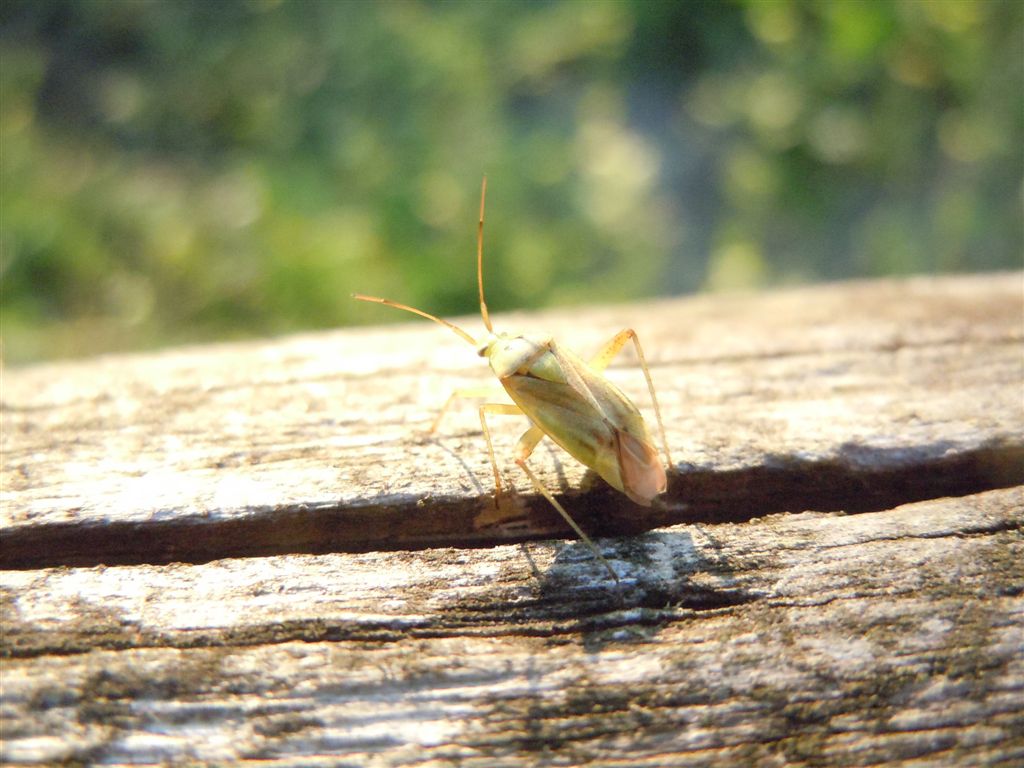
820,639
849,397
220,555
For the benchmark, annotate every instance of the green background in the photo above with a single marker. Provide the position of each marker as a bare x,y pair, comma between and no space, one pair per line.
186,171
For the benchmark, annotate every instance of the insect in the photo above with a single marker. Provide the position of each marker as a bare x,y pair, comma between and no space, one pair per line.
566,399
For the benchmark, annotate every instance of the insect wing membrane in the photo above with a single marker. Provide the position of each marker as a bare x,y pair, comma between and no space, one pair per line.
643,477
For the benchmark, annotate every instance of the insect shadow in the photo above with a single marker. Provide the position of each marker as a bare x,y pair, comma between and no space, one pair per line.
468,470
657,571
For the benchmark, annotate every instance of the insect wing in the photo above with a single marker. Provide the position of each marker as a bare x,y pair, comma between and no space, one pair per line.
593,421
642,474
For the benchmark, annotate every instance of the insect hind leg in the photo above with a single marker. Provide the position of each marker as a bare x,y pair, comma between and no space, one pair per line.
611,348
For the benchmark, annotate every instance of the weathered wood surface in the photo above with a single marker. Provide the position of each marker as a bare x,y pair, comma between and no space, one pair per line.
817,639
771,626
849,397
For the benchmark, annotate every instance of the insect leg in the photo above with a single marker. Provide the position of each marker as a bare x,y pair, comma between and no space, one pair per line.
529,440
496,409
524,448
457,394
539,487
600,361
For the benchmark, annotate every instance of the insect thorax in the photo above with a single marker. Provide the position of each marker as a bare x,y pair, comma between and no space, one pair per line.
508,354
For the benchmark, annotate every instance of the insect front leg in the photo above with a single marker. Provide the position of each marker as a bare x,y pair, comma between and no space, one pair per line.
458,394
611,348
495,409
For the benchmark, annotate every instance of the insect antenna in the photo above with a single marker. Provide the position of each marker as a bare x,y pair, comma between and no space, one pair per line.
480,258
389,303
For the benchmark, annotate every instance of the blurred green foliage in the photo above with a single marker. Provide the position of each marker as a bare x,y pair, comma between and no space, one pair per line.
179,171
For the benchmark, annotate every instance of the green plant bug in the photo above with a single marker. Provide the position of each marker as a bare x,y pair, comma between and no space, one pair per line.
566,399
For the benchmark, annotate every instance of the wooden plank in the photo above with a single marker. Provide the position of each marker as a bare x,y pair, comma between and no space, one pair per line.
856,396
821,639
884,625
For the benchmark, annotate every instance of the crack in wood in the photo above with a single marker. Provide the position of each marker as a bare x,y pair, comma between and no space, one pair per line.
694,496
774,624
